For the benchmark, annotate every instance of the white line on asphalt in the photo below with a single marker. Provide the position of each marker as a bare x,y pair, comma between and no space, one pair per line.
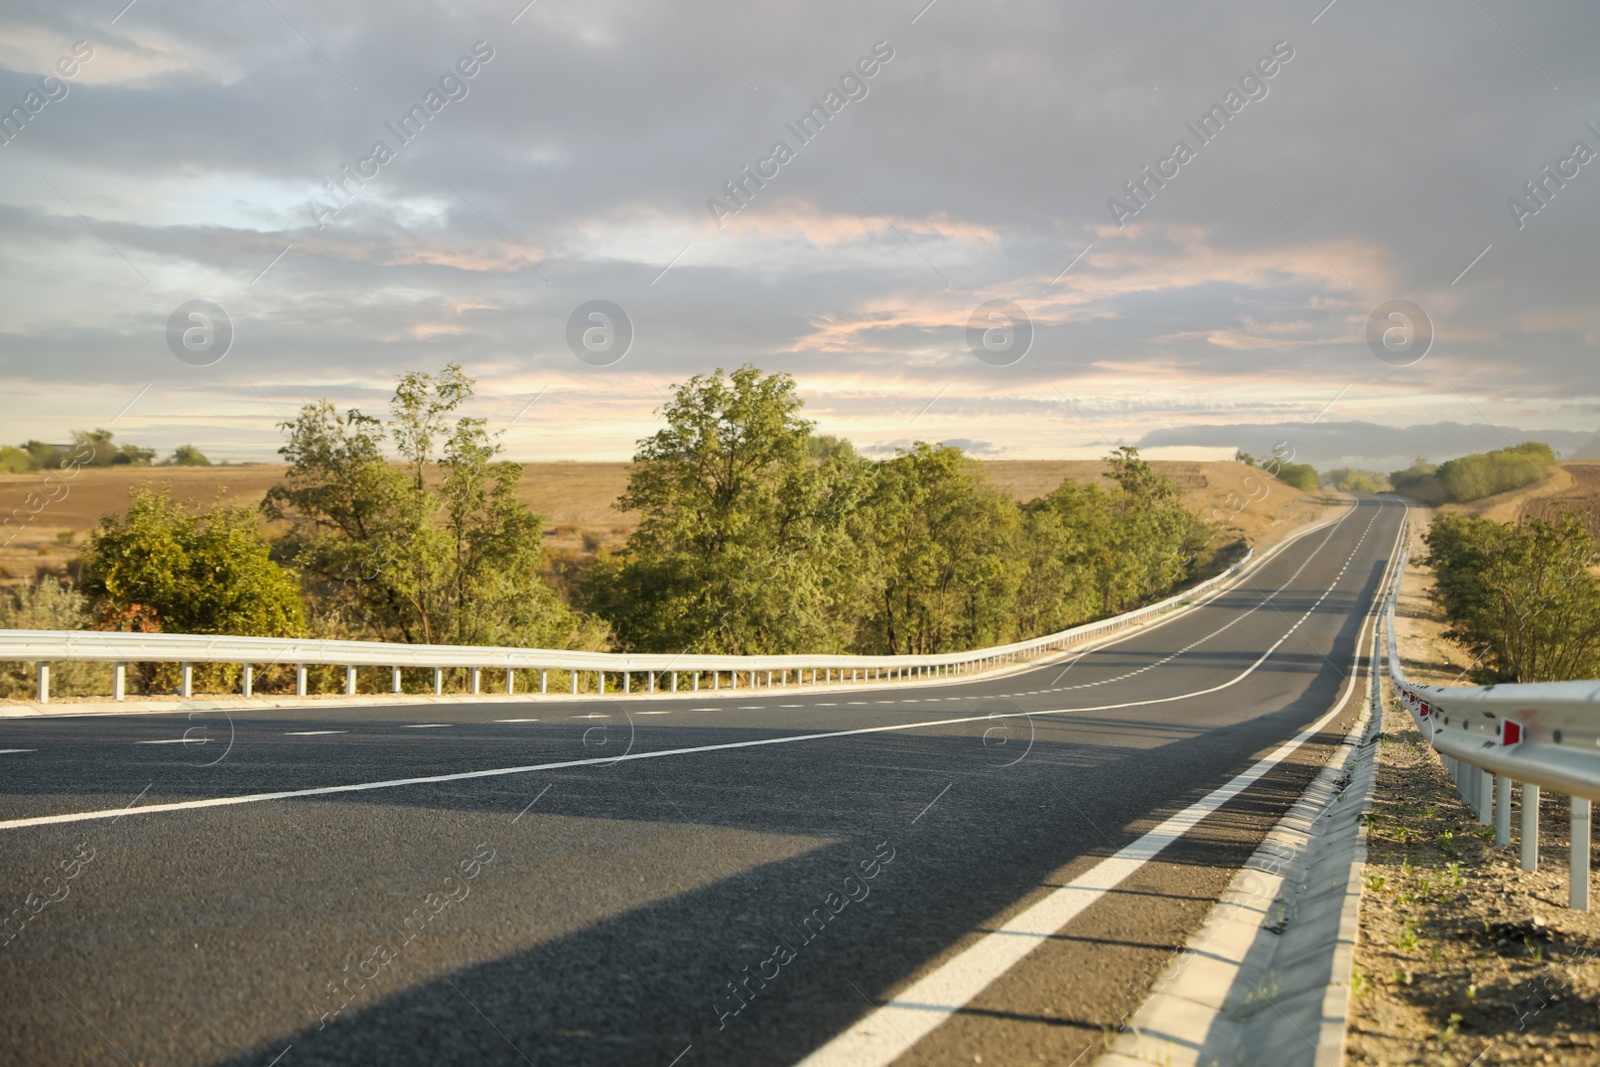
652,713
8,751
175,741
423,725
516,720
825,704
312,733
459,776
591,715
887,1033
752,707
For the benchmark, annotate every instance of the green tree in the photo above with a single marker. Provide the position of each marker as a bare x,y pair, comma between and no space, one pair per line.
437,549
742,544
1520,598
946,555
192,571
186,456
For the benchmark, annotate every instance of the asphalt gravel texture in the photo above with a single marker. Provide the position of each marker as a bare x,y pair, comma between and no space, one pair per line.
601,904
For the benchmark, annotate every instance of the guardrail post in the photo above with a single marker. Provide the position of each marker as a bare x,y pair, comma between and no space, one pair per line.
674,680
299,679
511,682
1578,892
1485,796
477,679
574,683
247,680
733,679
1502,810
627,681
350,680
394,680
652,676
1530,827
716,680
44,681
544,680
186,688
696,676
438,680
119,681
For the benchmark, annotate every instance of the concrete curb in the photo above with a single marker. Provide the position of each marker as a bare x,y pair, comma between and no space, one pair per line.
1267,978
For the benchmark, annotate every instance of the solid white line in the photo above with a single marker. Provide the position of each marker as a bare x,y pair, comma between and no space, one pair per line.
887,1033
395,783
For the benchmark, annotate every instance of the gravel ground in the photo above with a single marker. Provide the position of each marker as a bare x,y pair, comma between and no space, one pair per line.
1463,958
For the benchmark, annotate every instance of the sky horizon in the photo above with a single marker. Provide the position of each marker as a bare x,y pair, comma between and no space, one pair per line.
1037,230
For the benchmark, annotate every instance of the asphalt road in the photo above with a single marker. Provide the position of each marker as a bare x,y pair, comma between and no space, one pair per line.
658,880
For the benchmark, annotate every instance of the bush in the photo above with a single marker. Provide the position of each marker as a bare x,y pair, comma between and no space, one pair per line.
179,570
48,604
1303,476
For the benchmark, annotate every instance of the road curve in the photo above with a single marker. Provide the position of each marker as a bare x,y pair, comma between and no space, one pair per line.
665,881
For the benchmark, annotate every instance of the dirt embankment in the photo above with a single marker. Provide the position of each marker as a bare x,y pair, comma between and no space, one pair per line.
576,500
1463,957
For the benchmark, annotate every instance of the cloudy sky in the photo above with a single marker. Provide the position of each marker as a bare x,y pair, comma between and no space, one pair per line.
228,152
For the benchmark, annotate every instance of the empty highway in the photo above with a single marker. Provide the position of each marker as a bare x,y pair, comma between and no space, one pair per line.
747,878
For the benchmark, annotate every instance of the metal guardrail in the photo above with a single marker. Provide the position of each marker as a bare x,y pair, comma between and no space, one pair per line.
46,646
1543,735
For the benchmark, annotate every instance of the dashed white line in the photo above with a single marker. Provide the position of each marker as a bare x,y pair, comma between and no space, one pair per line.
312,733
9,751
516,720
423,725
175,741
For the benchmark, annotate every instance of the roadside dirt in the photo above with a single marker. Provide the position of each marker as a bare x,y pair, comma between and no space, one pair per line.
1463,958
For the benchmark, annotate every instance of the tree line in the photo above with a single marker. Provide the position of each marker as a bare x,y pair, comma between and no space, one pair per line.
91,448
1474,477
756,535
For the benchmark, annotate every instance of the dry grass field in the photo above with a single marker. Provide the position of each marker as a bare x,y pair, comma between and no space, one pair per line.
576,501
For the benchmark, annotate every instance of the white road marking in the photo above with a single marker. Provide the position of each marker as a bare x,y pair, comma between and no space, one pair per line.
886,1034
652,713
516,720
424,725
591,715
828,705
175,741
791,705
459,776
752,707
8,751
312,733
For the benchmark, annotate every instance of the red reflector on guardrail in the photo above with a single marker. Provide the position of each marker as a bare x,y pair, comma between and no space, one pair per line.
1423,710
1510,733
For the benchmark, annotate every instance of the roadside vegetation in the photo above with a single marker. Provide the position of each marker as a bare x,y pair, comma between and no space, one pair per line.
1520,598
1474,477
754,535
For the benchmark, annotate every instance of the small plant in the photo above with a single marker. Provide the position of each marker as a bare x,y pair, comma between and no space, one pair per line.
1447,845
1375,883
1358,982
1451,1028
1454,879
1483,833
1407,941
1406,866
1536,952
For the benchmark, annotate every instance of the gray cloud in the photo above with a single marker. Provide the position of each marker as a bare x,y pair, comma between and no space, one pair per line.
1378,166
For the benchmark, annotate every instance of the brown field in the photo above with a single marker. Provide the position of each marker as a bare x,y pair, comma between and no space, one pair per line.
1581,494
576,501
